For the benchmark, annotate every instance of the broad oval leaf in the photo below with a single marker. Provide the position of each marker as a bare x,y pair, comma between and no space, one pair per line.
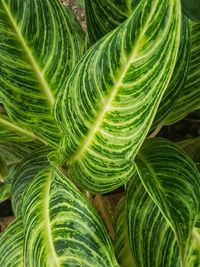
173,182
11,245
39,46
61,228
189,99
112,96
24,174
192,9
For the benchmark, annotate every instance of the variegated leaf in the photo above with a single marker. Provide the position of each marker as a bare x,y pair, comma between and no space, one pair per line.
116,12
11,245
24,174
15,142
179,75
104,16
39,46
193,257
173,182
121,242
61,228
151,238
189,99
112,96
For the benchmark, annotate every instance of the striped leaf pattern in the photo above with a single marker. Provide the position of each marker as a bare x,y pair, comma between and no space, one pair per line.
61,228
11,245
39,46
189,99
179,75
121,242
152,241
112,96
114,13
24,174
104,16
173,182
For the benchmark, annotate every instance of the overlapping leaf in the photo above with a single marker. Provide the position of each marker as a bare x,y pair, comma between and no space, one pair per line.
24,174
179,75
104,16
39,46
121,242
112,95
151,238
61,227
116,12
11,245
189,99
173,182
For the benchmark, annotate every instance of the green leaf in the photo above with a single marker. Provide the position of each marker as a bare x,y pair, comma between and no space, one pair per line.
192,9
15,142
11,245
5,191
61,227
152,241
24,174
179,75
173,182
39,46
113,93
81,3
193,257
121,242
3,169
192,148
189,99
104,16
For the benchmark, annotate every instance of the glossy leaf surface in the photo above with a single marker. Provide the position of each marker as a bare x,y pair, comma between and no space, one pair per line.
112,96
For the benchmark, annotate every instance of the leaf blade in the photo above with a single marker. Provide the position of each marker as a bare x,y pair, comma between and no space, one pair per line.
107,114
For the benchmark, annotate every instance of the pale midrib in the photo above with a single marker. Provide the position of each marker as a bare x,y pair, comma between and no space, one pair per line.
20,130
38,72
113,93
52,258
